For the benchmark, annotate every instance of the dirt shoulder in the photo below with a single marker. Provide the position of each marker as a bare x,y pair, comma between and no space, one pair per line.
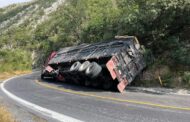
5,115
6,75
9,111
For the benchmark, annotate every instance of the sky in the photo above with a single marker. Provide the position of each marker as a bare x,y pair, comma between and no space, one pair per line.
4,3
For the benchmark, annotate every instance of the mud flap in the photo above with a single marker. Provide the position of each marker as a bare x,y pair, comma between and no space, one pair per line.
110,65
121,86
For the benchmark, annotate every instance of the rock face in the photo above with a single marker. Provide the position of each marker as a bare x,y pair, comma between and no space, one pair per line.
18,23
33,13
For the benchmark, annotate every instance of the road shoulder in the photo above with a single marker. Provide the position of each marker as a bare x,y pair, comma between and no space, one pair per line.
19,113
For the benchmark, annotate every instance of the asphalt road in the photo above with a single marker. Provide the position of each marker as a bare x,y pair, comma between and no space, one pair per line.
135,107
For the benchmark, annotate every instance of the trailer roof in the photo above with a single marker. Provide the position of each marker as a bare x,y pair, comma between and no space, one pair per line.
90,51
98,44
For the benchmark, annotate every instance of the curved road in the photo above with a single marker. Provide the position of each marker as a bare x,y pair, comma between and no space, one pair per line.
91,105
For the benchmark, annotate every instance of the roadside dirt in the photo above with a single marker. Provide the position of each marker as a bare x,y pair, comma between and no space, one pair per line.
11,112
5,115
6,75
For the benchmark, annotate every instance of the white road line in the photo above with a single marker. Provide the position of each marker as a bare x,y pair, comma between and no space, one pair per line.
43,111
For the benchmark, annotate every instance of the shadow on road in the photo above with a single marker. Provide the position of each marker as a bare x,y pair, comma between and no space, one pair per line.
73,86
79,87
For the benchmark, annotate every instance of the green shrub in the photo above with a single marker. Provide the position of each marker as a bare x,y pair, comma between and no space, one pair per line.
186,78
14,60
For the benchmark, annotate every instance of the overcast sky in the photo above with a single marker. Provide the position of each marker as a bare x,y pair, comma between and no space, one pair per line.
4,3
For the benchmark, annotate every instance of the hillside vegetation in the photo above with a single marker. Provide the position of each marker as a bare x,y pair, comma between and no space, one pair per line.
30,31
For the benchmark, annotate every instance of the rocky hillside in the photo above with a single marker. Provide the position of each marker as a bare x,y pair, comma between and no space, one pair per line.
29,31
18,23
30,14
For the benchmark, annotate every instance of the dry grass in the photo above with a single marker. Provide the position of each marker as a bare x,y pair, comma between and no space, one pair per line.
5,116
38,119
6,75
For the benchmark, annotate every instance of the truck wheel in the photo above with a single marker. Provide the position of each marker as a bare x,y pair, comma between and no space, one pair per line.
75,66
84,66
93,70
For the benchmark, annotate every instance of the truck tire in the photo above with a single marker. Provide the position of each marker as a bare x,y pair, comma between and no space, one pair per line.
84,66
75,66
93,70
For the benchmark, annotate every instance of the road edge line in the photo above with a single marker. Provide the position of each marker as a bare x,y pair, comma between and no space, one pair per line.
37,108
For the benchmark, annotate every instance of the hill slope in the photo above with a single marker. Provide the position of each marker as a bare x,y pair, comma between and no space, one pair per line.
17,26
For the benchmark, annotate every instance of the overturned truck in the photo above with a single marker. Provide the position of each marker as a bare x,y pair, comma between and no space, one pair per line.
105,64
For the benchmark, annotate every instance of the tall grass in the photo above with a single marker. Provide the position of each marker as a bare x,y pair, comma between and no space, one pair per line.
5,116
